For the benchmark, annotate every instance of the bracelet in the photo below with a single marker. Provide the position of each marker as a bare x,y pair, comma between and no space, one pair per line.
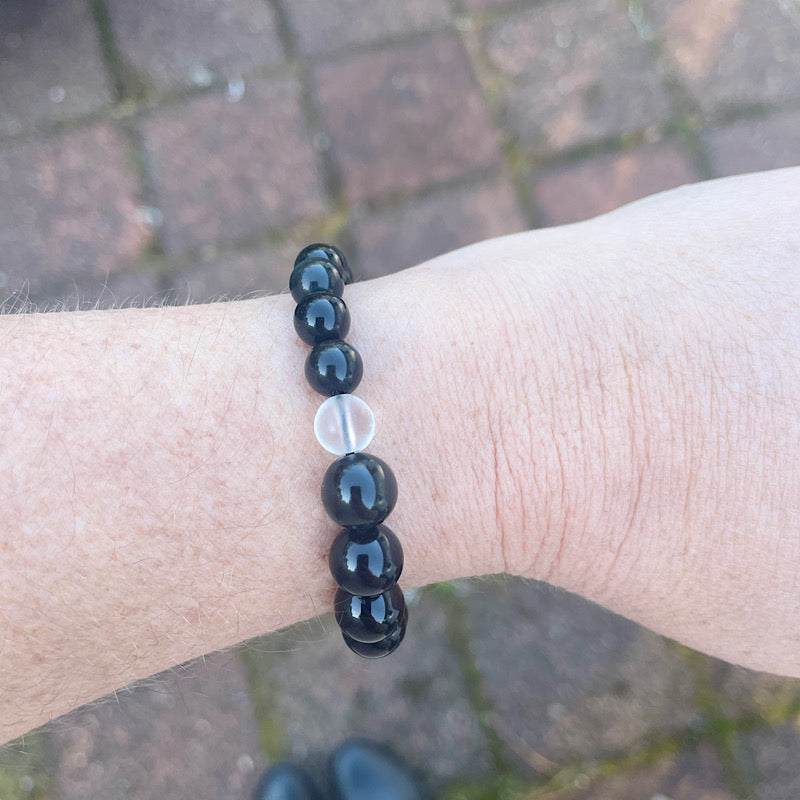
359,490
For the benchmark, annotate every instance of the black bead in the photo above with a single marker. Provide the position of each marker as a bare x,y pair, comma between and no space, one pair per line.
329,253
315,275
318,317
334,367
369,619
359,490
383,647
366,561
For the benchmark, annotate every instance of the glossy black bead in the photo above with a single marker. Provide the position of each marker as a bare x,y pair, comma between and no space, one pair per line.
315,275
319,317
334,367
366,561
369,619
329,253
383,647
359,490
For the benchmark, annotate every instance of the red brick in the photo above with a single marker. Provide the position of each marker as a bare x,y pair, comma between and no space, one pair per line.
731,53
603,183
427,227
755,144
217,276
50,64
326,26
186,733
405,117
224,170
68,208
173,42
129,289
581,74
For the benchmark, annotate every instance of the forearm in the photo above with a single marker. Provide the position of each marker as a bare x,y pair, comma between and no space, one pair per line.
582,405
161,480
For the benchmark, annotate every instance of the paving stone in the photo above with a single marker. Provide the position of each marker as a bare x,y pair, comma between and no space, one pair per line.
602,183
223,169
327,26
731,53
755,144
569,680
414,701
581,74
68,209
423,228
742,692
177,42
129,289
770,761
219,276
50,63
405,117
186,733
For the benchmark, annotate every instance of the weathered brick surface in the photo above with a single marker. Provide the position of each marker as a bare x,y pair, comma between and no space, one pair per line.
755,144
580,74
770,760
225,169
173,43
569,680
423,228
322,693
184,734
405,117
327,26
731,53
741,692
600,184
68,207
694,775
50,64
215,276
131,288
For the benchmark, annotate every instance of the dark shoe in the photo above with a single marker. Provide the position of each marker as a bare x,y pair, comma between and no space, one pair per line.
361,770
285,782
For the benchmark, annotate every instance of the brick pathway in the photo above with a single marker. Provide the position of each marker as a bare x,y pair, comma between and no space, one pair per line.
178,149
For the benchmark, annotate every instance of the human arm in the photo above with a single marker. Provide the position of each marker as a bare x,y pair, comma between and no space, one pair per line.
612,406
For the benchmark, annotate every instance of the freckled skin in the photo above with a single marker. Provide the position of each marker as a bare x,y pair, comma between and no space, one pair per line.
611,406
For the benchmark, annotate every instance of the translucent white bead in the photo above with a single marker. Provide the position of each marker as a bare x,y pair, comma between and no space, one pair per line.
344,424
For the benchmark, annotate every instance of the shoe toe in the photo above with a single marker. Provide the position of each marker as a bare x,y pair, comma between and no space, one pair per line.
364,771
285,782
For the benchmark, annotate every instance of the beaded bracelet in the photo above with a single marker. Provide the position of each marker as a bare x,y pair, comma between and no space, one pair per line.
359,490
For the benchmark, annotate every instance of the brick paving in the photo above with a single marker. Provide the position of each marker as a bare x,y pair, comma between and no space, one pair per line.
51,66
596,185
182,151
194,42
386,113
579,73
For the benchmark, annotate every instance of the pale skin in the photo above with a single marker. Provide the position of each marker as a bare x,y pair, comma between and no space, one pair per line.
613,407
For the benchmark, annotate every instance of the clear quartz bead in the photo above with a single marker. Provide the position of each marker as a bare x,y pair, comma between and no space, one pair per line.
344,424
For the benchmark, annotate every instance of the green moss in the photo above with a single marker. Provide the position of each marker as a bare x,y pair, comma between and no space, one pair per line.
23,772
272,737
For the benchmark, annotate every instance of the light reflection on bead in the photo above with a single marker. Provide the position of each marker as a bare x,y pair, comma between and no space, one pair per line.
344,424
